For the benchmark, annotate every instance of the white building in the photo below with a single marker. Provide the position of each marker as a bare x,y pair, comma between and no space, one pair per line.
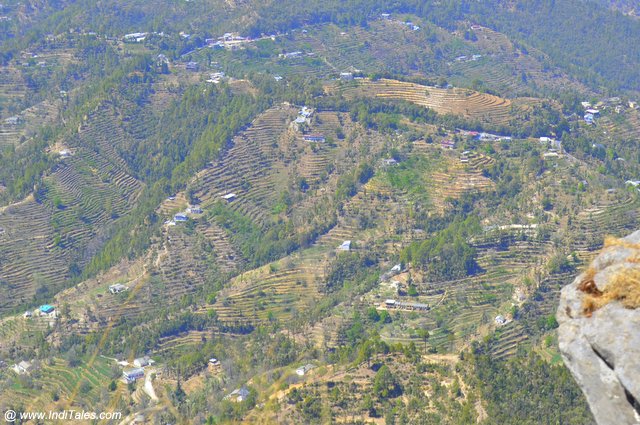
143,361
302,370
23,368
132,375
500,320
345,246
117,288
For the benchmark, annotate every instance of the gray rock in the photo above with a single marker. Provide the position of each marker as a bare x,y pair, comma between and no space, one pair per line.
603,351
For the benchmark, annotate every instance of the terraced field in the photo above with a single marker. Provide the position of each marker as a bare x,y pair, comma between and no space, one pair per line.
275,292
183,268
474,105
12,84
613,214
85,193
508,69
251,168
28,258
55,377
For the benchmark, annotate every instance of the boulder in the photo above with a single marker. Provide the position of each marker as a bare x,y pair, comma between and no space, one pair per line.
602,349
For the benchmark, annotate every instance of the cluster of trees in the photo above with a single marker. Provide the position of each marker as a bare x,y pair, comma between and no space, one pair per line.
526,388
448,254
347,269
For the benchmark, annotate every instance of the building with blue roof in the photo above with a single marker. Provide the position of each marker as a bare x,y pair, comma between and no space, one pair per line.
47,309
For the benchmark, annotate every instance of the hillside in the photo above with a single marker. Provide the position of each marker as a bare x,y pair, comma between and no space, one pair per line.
348,212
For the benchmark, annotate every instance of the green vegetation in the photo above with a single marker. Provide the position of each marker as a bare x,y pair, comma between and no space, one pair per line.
447,255
112,138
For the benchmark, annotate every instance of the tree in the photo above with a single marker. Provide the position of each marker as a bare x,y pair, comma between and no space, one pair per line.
369,406
385,384
372,314
424,334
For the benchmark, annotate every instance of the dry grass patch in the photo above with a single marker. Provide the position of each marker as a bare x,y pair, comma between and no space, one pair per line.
624,286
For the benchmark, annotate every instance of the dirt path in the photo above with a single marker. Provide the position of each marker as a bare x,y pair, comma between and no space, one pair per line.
148,385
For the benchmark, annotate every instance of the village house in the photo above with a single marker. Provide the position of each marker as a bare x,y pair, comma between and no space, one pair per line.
588,118
448,144
132,375
194,209
192,66
214,365
229,197
346,76
393,304
14,120
238,395
47,310
290,55
302,370
143,361
135,37
117,288
388,162
313,138
345,246
305,112
216,77
180,217
593,111
500,320
23,368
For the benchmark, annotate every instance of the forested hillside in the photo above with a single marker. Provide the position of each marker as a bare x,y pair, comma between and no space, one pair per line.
306,212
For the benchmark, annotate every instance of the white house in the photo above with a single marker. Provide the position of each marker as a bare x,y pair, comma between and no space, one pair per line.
238,395
397,268
345,246
23,368
135,37
132,375
214,365
302,370
143,361
346,76
117,288
229,197
500,320
14,120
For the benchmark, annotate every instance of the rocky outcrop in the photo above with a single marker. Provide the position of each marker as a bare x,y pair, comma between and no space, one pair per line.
602,347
